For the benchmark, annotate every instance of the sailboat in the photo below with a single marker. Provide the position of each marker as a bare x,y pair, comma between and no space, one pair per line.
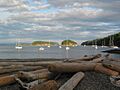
67,48
93,44
103,44
18,46
41,49
96,47
60,46
49,45
111,42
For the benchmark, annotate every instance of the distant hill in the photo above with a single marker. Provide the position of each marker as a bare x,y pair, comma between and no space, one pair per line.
68,43
44,43
105,41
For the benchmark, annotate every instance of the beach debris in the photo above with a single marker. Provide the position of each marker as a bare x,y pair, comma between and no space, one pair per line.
86,58
112,64
9,69
42,75
100,68
72,82
71,67
49,85
115,80
5,80
29,76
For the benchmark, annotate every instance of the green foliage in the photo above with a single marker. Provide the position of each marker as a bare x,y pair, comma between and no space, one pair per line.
44,43
105,41
68,43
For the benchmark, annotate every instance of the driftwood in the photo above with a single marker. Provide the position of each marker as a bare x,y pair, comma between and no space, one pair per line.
29,76
49,85
72,83
97,60
71,67
40,71
86,58
15,69
114,65
27,86
100,68
115,80
40,63
5,80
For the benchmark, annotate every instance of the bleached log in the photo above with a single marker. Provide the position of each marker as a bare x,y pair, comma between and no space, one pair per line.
39,71
40,63
114,65
26,68
33,76
71,67
5,80
87,58
72,82
27,86
100,68
97,60
49,85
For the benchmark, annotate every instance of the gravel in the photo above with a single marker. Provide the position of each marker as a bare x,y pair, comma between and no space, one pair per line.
91,81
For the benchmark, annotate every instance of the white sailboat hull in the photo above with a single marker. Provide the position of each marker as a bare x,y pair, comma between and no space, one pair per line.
41,49
67,48
18,47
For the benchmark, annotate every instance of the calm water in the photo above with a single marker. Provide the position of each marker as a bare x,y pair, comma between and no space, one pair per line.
9,52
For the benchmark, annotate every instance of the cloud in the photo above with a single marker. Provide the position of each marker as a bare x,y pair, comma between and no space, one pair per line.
56,20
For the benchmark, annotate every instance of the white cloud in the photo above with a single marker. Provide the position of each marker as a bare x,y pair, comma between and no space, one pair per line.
77,19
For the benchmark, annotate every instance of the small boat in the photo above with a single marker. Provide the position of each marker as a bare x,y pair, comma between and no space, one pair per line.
114,47
103,46
41,49
76,45
84,45
96,47
93,45
60,46
67,48
49,44
111,43
113,50
18,47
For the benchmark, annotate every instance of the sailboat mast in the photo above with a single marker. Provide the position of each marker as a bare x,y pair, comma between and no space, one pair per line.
112,40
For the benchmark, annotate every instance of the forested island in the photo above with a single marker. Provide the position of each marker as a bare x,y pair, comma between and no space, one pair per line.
50,43
44,43
69,43
106,41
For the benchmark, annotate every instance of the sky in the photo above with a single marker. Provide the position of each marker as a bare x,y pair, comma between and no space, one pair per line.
56,20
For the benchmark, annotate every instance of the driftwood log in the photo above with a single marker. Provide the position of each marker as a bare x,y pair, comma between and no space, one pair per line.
30,76
27,86
49,85
40,63
15,69
71,67
114,65
86,58
100,68
72,83
5,80
97,60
